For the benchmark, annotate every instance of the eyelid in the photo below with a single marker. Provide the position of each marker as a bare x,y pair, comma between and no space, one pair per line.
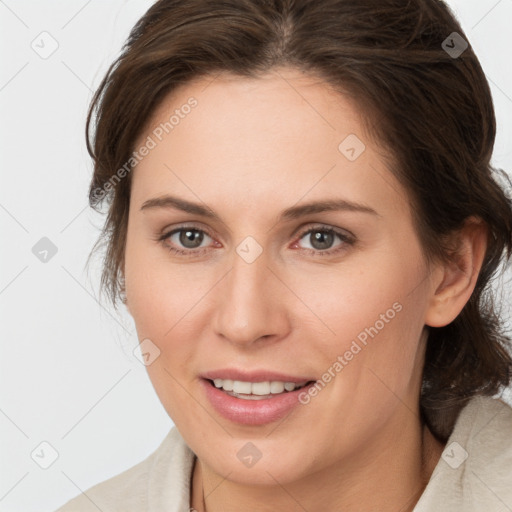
343,233
345,236
166,234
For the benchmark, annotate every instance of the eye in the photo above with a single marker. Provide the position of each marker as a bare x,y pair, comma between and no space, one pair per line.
191,241
322,238
185,240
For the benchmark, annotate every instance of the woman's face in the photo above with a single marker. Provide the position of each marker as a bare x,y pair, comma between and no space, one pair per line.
297,261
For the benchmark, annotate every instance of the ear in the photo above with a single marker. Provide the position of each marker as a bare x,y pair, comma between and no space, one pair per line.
122,291
454,280
125,302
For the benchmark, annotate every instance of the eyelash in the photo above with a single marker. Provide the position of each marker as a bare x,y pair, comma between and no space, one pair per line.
345,238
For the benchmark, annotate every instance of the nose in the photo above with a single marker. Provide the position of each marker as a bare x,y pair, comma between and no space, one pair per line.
251,304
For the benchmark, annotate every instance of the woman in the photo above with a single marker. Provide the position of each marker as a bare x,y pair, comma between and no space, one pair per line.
303,222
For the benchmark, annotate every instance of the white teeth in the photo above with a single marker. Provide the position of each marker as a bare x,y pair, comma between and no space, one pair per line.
256,388
260,388
242,387
276,386
227,385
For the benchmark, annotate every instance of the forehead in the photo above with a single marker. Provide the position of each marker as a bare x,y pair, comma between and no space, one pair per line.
282,106
275,137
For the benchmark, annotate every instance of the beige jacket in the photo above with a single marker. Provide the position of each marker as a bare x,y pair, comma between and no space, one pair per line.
474,473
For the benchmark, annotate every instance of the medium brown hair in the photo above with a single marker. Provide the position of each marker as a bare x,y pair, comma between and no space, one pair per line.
431,109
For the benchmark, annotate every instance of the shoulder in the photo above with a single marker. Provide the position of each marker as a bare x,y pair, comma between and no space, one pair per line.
138,487
488,430
475,469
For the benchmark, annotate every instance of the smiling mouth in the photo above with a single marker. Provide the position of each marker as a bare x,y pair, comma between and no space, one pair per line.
256,390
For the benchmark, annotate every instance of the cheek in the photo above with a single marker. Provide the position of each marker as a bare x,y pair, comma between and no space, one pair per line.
364,293
158,292
366,300
164,301
371,318
162,306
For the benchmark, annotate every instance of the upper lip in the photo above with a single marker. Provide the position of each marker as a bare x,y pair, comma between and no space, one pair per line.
254,376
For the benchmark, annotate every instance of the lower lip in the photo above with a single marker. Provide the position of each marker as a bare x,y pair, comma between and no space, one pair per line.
252,412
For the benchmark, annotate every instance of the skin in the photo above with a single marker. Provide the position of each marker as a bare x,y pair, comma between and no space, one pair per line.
250,149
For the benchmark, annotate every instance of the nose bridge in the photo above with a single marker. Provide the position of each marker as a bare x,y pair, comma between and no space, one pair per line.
249,308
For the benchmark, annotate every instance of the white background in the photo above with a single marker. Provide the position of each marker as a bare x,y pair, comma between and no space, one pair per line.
68,376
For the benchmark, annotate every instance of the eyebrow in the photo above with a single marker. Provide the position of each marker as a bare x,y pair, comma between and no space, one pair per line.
291,213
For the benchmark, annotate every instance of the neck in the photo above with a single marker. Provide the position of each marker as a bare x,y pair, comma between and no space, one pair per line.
388,480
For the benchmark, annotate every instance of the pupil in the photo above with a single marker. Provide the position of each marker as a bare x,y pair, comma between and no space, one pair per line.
189,237
322,238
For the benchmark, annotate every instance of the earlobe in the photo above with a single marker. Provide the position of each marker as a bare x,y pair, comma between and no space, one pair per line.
127,305
124,300
455,279
122,293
